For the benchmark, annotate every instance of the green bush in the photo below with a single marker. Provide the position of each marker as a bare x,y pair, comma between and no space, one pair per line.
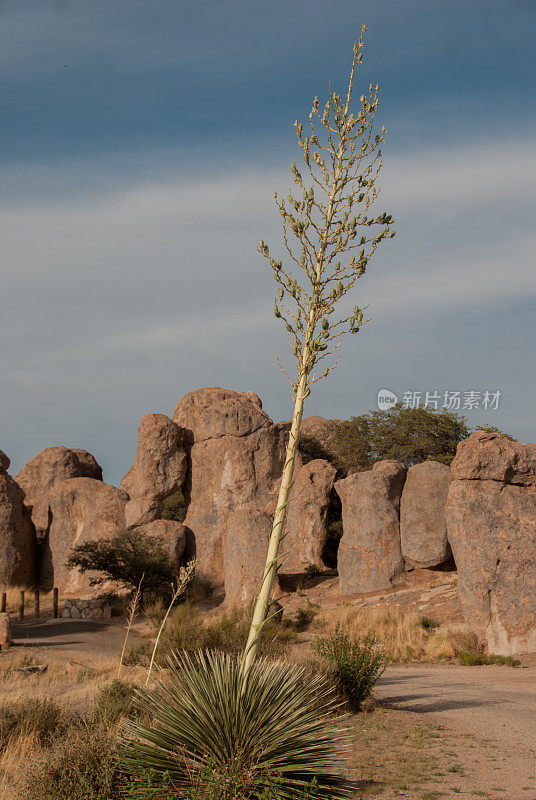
43,718
231,733
356,664
481,660
428,623
81,766
305,616
175,507
114,701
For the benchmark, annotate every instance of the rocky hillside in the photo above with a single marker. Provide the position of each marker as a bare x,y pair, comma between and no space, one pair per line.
223,452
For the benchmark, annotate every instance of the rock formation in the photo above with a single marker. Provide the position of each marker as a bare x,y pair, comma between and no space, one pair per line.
307,518
423,528
491,525
52,465
17,537
236,456
370,557
82,510
172,533
158,471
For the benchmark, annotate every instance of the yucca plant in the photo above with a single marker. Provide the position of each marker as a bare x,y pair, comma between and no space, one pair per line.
269,723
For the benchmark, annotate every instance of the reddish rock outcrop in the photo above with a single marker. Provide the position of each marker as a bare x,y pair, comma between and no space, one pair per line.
17,536
236,458
307,525
323,430
51,466
173,535
423,528
494,457
491,526
158,471
4,462
370,557
82,510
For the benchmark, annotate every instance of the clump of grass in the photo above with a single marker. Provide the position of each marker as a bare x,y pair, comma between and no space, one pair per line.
44,720
114,701
313,570
428,623
189,629
80,766
305,616
356,664
403,637
481,659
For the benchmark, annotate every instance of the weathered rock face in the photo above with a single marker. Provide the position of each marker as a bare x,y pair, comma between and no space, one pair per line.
82,510
423,528
158,471
236,458
17,536
172,533
52,465
492,456
4,462
323,430
307,525
491,527
370,557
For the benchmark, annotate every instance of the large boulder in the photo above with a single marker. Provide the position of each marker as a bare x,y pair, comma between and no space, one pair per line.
307,517
491,525
17,537
423,528
370,556
82,510
236,458
172,534
495,457
51,466
158,471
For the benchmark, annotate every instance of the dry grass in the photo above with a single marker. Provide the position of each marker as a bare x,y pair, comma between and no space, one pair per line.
402,636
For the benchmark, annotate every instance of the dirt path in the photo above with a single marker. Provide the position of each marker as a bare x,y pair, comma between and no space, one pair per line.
490,715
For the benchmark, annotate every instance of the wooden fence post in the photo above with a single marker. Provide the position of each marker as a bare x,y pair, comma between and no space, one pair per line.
55,602
37,604
21,605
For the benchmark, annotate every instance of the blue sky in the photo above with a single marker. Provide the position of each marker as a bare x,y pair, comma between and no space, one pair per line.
140,145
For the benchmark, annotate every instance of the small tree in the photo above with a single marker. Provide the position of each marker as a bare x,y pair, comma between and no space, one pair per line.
131,558
409,435
326,219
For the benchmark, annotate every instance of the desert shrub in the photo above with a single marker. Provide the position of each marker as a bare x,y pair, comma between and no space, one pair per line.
46,720
130,557
313,570
114,701
305,616
428,623
250,727
187,628
481,659
356,664
80,766
175,507
209,784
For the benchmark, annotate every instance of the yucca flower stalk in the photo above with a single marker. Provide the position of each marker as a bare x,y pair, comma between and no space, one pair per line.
326,219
